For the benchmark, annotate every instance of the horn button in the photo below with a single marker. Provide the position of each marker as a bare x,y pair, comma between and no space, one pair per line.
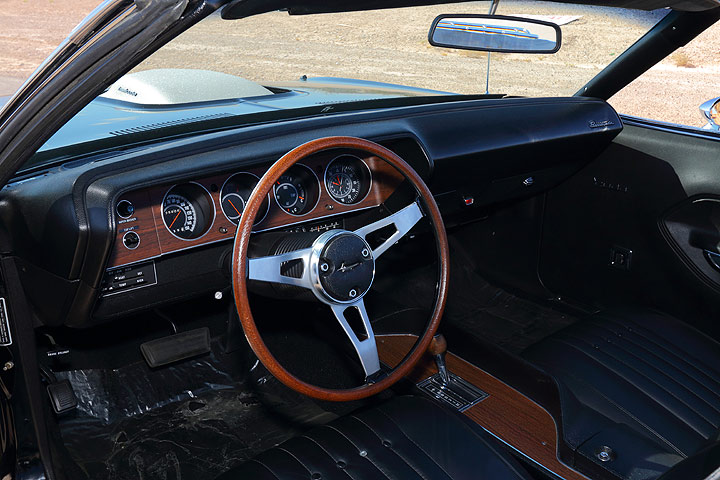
346,267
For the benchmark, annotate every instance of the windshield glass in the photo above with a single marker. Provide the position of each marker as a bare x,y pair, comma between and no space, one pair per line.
275,63
392,46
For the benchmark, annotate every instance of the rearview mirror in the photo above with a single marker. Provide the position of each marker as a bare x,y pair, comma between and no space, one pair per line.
495,33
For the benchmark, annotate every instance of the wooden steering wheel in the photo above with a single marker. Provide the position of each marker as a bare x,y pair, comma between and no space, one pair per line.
338,268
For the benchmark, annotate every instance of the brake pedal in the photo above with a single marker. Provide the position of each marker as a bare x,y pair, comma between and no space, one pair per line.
180,346
62,396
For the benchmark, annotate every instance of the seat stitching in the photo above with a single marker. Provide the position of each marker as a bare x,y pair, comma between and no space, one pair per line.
492,447
631,415
324,450
282,449
265,466
413,442
622,374
658,341
651,380
679,368
693,392
392,450
618,406
647,335
366,457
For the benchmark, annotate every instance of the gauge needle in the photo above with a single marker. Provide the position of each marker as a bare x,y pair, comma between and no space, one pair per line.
176,217
302,198
233,205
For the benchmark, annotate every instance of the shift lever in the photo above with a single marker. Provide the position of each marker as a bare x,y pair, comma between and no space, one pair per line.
448,387
438,349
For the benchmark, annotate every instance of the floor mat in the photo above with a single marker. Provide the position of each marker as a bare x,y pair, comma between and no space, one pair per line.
193,420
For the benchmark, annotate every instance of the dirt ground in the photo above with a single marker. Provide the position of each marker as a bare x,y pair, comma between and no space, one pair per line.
391,46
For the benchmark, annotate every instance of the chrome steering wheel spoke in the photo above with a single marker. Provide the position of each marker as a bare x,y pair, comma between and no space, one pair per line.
403,221
278,268
339,269
366,348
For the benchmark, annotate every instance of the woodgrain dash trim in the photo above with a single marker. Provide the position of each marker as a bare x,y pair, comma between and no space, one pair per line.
155,240
506,413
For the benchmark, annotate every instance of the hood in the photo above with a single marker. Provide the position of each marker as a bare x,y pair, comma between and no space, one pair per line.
155,99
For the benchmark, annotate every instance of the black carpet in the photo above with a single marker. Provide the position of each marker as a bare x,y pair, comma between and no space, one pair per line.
474,305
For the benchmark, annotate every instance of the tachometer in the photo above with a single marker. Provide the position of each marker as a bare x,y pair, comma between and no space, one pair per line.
188,211
347,179
297,191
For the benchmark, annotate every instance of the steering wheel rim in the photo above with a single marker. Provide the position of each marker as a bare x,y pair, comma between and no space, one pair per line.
240,268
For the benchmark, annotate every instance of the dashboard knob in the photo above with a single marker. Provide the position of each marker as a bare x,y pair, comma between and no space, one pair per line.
131,240
125,209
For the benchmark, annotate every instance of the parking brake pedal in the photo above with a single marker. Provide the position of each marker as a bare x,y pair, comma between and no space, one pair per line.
180,346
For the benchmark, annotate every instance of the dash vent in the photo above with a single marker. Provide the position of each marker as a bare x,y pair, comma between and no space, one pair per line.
155,126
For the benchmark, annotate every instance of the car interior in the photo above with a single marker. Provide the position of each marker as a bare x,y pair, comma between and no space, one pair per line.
518,288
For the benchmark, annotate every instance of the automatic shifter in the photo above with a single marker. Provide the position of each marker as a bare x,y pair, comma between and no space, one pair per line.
448,387
438,349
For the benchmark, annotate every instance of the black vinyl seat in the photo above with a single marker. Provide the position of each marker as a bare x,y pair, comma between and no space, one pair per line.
644,383
406,438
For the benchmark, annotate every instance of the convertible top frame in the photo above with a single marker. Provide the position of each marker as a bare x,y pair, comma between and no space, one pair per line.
671,33
244,8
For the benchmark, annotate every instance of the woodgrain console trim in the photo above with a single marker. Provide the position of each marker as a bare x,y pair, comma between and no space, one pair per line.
506,413
156,240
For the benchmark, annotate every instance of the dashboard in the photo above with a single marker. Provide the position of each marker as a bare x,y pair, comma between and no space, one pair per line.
122,231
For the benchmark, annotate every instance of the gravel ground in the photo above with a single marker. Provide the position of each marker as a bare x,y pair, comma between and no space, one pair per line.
391,46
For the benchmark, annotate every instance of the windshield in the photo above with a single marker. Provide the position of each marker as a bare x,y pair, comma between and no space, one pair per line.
392,46
276,63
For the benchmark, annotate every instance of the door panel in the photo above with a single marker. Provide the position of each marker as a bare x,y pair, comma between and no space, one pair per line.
628,229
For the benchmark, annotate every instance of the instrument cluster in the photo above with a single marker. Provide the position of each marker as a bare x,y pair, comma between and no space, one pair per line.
188,210
166,218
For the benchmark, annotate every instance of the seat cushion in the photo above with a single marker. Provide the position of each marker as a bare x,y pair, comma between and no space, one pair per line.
645,370
405,438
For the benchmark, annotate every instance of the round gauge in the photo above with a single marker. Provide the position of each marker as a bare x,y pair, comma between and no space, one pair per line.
233,206
297,191
187,211
347,179
179,216
236,192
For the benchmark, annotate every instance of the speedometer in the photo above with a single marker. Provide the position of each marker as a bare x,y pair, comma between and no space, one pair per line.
188,211
347,179
179,216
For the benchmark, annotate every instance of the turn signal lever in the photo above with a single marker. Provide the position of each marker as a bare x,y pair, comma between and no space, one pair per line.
438,349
